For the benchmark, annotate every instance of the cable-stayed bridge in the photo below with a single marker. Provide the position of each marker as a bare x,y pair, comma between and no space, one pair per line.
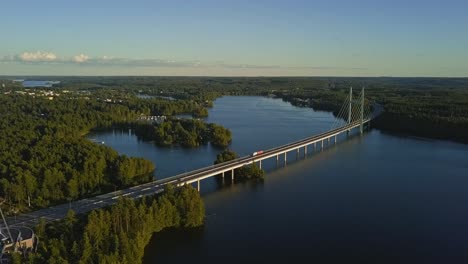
355,113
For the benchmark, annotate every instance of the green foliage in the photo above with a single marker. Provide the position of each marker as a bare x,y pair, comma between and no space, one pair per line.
243,173
44,158
250,172
226,155
184,132
117,234
219,136
190,206
200,112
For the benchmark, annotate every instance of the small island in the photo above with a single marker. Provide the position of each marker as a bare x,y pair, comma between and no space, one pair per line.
249,172
184,132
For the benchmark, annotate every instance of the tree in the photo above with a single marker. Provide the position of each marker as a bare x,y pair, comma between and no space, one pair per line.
226,155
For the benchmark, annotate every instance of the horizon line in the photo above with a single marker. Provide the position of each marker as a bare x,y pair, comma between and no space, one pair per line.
236,76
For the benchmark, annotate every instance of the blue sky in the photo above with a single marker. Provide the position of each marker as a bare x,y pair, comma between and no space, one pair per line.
232,38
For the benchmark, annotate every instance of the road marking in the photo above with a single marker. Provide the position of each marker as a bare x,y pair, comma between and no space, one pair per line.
145,189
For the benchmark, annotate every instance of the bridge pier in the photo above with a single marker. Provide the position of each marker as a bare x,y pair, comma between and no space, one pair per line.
285,155
335,139
232,175
297,154
260,164
277,158
198,185
322,144
315,146
305,151
328,144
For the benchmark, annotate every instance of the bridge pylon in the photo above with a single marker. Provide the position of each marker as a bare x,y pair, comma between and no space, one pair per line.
350,107
361,127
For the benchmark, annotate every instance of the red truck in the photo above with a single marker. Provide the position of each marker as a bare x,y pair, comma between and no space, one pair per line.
257,153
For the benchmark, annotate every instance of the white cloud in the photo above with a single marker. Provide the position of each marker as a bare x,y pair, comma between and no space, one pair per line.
38,56
80,58
42,57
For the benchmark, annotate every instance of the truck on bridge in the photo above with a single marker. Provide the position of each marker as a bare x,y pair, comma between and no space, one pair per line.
257,153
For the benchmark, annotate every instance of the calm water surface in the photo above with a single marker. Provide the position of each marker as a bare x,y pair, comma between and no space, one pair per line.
34,83
378,198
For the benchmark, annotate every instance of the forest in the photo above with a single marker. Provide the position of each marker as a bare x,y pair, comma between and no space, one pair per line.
429,107
184,132
46,159
117,234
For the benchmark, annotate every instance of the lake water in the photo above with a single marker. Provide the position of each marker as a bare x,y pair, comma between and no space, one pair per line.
34,83
376,198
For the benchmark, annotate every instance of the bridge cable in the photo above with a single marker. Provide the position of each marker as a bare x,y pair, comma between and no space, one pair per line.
340,116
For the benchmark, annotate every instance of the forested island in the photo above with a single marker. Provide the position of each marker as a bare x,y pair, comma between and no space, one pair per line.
243,173
184,132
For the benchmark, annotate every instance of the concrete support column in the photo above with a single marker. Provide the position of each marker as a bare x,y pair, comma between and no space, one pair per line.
305,151
198,185
335,139
232,175
260,164
315,146
322,143
285,155
277,158
297,153
328,144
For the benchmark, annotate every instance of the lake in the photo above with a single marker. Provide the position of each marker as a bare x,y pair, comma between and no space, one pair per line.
35,83
375,198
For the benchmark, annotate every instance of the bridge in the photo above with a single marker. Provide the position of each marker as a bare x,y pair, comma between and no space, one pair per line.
350,117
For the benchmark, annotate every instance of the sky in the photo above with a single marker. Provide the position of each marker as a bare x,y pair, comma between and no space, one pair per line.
235,38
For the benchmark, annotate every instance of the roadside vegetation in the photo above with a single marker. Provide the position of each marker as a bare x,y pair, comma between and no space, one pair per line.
117,234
